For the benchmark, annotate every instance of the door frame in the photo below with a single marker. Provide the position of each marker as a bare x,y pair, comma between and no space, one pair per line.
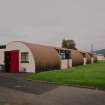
8,64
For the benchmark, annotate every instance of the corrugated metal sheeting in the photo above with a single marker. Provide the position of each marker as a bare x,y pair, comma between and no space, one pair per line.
77,58
46,58
50,58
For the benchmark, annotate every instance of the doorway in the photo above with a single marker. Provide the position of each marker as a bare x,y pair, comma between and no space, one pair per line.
12,61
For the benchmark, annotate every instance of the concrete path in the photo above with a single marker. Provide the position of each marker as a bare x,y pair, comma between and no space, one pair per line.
60,96
13,92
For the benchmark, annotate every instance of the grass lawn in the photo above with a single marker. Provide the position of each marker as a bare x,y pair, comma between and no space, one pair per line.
91,75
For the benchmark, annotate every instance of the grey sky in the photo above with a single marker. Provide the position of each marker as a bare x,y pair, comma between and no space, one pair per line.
49,21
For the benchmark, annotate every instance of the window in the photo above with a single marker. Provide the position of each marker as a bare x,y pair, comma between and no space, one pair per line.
24,57
65,54
62,55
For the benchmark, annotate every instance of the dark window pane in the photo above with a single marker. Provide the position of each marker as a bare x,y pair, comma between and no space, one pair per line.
24,57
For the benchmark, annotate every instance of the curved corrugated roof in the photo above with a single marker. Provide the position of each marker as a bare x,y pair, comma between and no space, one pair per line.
77,58
46,57
87,55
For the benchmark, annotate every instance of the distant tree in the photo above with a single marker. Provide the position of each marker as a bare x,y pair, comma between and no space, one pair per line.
70,44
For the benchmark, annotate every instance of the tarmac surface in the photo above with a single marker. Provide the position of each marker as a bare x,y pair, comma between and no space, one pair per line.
15,90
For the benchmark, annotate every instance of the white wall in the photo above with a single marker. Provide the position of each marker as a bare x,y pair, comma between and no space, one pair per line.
65,64
70,63
85,61
30,67
100,57
92,60
2,56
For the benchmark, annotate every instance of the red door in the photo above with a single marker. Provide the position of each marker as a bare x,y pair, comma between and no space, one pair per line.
14,62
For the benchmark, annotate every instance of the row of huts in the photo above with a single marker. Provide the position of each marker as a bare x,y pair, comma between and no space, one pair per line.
27,57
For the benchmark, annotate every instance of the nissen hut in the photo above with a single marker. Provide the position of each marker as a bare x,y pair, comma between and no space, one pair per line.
21,56
28,57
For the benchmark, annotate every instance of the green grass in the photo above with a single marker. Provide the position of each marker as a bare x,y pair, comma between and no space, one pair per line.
91,75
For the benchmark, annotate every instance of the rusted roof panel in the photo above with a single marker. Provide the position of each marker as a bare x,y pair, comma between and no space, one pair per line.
46,58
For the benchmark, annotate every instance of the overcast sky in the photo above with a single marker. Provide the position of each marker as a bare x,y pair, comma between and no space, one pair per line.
49,21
